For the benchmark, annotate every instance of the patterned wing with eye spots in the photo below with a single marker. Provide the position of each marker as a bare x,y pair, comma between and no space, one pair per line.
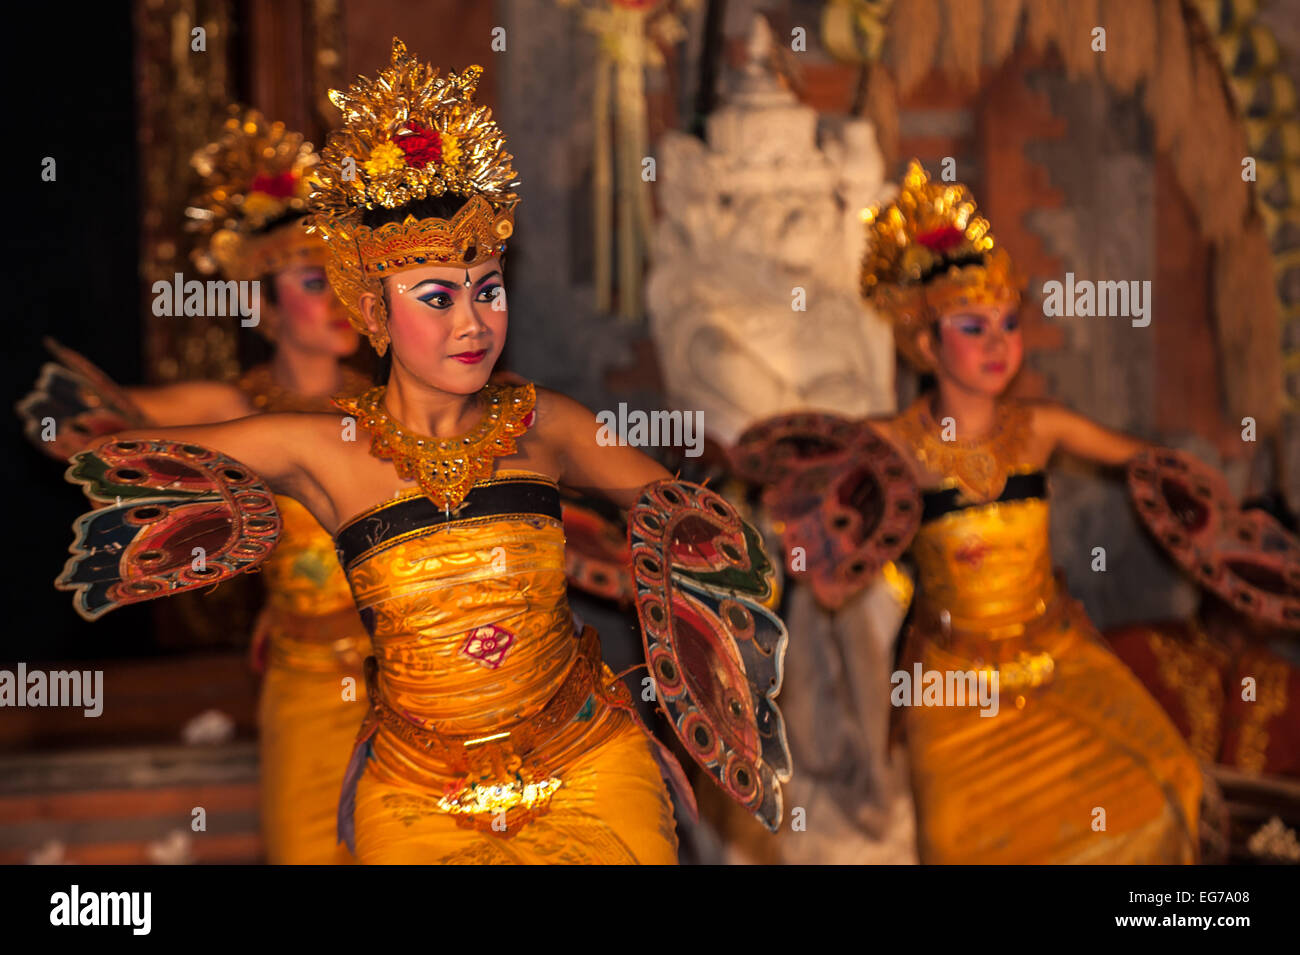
1245,557
169,517
81,401
843,499
715,651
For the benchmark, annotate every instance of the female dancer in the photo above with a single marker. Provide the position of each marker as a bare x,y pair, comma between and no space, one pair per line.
254,187
495,732
1077,763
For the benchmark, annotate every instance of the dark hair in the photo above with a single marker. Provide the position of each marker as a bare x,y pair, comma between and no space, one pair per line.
431,207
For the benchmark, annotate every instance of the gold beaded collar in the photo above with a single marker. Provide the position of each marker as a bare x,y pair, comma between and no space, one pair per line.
977,468
259,384
446,468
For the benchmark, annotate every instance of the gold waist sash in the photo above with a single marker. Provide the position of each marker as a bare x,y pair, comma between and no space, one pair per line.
320,643
459,751
512,769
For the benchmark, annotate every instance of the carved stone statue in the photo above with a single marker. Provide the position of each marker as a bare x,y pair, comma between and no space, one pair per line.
755,310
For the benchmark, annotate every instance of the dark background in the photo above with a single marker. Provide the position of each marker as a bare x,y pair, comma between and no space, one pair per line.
70,254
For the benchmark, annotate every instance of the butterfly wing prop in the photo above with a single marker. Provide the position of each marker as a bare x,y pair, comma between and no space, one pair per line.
843,499
596,556
1245,557
715,652
73,403
170,517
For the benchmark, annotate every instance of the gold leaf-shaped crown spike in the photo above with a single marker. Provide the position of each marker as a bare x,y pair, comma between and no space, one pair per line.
410,134
253,191
929,251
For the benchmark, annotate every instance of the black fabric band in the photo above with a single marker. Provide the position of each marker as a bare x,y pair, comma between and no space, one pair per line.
509,496
1019,487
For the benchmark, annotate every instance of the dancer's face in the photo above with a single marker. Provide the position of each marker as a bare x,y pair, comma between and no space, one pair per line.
447,333
979,347
308,315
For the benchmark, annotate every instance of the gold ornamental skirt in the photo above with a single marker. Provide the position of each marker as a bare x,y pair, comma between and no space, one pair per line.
597,816
1079,764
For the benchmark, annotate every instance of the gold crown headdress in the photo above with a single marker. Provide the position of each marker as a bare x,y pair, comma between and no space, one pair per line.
252,176
928,252
407,135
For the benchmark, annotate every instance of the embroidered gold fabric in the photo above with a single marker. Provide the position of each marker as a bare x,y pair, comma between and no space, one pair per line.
978,468
426,596
1074,730
1199,686
1271,679
446,468
986,569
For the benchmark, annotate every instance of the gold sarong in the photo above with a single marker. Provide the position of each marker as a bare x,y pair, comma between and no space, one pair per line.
1079,764
473,640
313,696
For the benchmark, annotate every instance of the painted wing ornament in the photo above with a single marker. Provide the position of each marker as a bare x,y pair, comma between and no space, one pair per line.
74,403
714,650
596,557
842,498
169,517
1244,557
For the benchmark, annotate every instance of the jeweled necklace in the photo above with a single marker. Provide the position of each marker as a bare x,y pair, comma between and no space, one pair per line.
978,468
446,468
266,395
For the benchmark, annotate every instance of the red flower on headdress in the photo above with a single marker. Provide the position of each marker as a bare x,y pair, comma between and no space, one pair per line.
941,239
281,186
421,145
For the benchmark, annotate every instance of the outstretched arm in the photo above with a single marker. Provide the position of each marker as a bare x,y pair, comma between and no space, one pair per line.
270,444
191,402
588,460
1083,437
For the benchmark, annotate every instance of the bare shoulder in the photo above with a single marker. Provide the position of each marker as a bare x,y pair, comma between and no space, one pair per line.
1047,416
560,419
559,406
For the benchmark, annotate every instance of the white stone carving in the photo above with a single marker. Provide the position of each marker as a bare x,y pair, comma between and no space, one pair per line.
760,210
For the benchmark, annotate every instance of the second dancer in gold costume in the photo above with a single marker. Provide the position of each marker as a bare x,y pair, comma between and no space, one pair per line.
309,641
253,187
1079,764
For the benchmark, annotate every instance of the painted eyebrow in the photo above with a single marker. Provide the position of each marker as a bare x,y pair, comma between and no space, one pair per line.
452,286
440,282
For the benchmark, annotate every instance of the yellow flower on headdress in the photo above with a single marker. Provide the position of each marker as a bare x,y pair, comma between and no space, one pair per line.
385,158
451,151
461,147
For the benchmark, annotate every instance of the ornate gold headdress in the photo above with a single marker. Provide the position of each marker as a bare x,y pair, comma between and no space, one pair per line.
409,134
928,252
252,176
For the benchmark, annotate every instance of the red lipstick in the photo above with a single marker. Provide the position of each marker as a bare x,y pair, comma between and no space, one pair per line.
471,357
